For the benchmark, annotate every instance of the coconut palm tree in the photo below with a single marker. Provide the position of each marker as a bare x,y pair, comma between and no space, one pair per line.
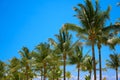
63,46
78,58
42,52
48,56
93,21
106,38
2,70
26,62
101,39
37,63
88,65
114,62
54,62
110,39
14,68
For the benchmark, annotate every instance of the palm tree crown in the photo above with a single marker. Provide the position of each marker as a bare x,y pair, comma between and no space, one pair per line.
114,62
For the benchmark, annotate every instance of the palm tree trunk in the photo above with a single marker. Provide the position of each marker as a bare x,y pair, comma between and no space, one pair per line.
90,72
94,63
100,63
27,77
27,72
44,71
41,73
78,74
116,73
64,57
53,72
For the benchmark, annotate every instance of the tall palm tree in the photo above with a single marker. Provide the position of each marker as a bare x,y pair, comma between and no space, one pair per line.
26,62
63,45
93,24
42,52
114,62
77,58
107,38
99,51
110,39
101,39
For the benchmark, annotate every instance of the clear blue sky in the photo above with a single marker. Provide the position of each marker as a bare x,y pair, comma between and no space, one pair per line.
29,22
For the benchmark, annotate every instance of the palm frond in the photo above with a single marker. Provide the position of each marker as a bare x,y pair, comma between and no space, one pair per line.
73,27
52,42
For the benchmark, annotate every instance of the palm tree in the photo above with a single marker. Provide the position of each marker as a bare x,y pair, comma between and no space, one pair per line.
88,65
37,63
63,45
14,68
77,58
25,62
101,39
2,69
114,62
110,39
113,40
107,38
42,52
54,63
45,55
93,21
68,75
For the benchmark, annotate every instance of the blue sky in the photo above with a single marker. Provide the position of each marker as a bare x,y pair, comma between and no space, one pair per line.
29,22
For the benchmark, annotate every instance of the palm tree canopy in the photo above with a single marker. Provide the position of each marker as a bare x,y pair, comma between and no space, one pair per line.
92,20
25,53
2,69
26,57
88,64
77,58
114,61
14,65
63,40
63,43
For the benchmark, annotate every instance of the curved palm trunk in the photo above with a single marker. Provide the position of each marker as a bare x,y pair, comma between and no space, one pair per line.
78,74
116,73
100,63
94,63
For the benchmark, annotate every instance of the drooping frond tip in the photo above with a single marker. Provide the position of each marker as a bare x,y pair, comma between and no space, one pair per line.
72,27
75,9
